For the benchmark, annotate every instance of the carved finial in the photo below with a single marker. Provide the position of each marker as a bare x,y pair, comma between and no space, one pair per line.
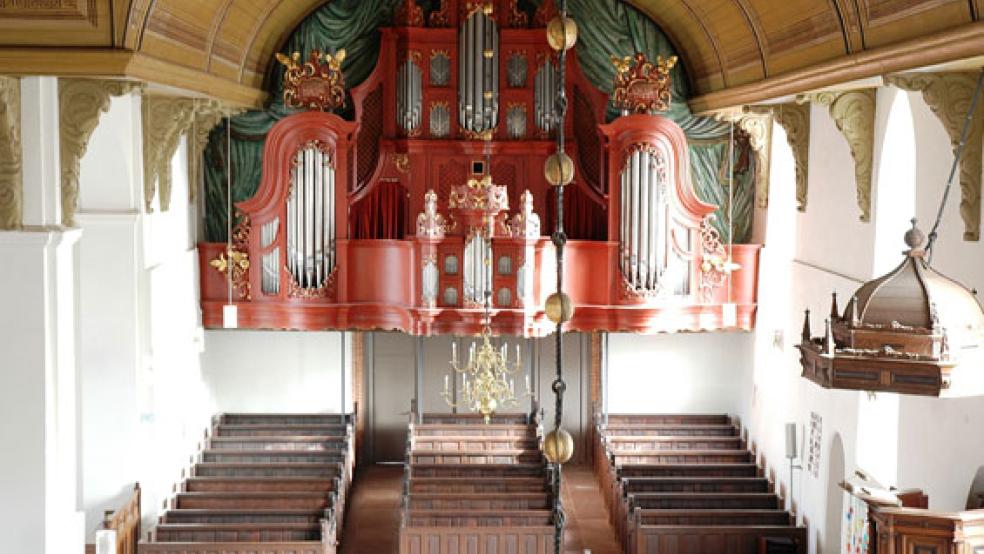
834,312
805,335
828,339
525,224
914,239
431,224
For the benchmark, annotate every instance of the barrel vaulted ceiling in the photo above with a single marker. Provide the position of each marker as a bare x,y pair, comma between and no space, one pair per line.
223,47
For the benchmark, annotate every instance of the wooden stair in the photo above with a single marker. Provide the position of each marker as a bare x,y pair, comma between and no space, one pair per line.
469,483
680,483
271,483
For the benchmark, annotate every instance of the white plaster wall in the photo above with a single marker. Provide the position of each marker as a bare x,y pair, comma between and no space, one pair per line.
274,371
695,373
934,444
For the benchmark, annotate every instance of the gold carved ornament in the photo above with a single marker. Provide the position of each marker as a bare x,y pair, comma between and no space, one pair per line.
236,259
642,86
317,84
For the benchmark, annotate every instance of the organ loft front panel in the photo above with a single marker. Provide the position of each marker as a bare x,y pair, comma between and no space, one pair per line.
411,200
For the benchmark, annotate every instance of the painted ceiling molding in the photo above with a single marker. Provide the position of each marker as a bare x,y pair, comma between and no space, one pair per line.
11,158
80,104
795,120
948,96
854,113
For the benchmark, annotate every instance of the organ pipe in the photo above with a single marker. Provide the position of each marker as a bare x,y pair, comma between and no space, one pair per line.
644,225
311,218
478,60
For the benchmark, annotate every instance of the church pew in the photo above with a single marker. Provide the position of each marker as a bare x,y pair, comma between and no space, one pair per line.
272,456
697,501
478,470
694,484
668,419
238,515
228,430
472,457
252,500
237,532
477,518
489,443
303,443
480,501
746,469
628,443
478,484
712,517
670,429
278,469
259,484
681,457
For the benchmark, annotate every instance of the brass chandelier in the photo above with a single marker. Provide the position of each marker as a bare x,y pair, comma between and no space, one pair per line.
488,380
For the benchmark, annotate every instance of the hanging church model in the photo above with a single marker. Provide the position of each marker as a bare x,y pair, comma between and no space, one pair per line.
385,221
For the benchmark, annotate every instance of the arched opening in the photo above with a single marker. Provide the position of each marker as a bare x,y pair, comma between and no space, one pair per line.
830,541
975,497
895,199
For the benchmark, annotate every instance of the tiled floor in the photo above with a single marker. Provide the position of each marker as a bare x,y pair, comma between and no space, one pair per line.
373,520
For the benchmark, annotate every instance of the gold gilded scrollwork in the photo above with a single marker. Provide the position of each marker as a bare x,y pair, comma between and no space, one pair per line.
795,120
642,86
317,84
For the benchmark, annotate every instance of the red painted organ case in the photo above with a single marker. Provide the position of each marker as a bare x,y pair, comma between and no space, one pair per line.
397,244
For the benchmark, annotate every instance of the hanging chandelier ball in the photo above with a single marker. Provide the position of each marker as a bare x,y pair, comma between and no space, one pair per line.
559,307
561,33
558,446
559,169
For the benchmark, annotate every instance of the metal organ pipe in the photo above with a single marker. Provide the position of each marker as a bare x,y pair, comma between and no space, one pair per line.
644,225
478,74
310,219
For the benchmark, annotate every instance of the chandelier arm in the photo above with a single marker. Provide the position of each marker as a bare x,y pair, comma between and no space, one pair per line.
933,234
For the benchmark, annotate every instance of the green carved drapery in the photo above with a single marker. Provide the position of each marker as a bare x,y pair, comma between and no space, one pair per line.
349,24
606,27
610,27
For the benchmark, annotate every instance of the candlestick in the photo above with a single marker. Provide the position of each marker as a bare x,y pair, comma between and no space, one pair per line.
454,352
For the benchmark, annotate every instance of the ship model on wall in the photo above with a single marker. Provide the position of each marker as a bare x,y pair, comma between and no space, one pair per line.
407,217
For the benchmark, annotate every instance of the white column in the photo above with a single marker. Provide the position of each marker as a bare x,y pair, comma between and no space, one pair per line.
110,339
38,393
39,417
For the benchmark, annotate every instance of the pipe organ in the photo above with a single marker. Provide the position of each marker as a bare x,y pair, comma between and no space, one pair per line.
409,216
311,216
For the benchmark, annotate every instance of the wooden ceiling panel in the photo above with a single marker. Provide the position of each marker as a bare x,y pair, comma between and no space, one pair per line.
891,21
692,39
724,44
800,33
66,23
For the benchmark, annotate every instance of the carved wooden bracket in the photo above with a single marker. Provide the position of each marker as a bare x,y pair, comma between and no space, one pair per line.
854,113
949,96
165,120
11,171
208,114
795,120
756,122
80,103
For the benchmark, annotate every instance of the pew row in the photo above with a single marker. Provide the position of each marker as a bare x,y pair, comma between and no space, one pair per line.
687,484
476,487
270,483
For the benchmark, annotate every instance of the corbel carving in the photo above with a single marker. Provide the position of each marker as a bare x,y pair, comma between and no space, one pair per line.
756,122
795,120
854,113
80,103
948,96
208,114
11,170
165,119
